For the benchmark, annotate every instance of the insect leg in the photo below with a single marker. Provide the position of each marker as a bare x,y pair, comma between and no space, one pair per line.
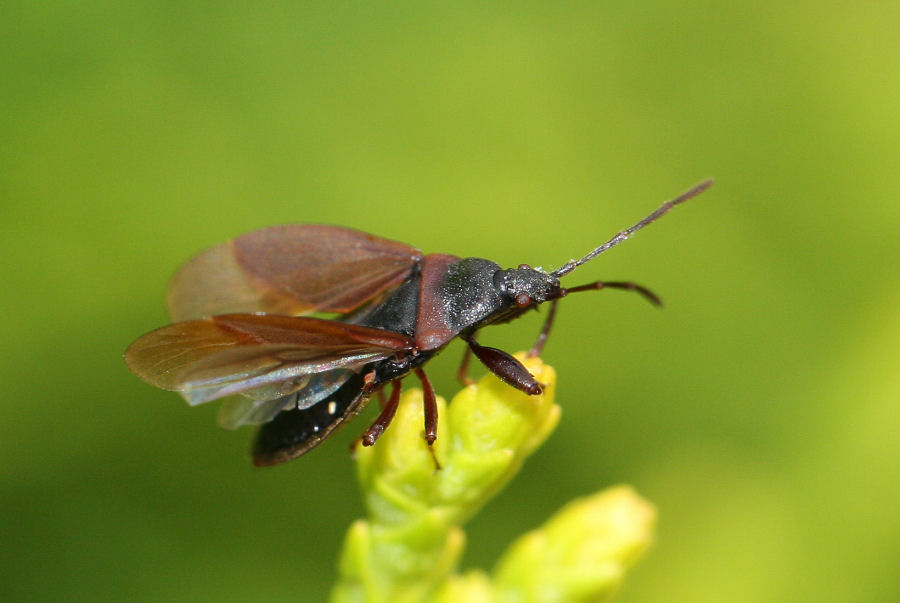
384,419
507,368
431,412
538,346
382,401
462,372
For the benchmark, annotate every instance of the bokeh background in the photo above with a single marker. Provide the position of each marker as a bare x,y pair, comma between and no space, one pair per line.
758,410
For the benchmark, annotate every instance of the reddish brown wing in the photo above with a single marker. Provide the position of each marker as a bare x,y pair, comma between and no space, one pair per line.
293,269
253,354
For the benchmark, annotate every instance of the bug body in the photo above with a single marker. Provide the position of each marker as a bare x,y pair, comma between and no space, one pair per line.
240,328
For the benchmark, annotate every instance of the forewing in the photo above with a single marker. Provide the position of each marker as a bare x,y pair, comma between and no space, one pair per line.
261,405
257,355
293,269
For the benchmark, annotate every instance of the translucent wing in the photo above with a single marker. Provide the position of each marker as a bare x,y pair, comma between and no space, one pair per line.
294,269
258,355
262,406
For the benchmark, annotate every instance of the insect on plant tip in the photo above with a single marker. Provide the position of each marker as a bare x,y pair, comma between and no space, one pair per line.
240,326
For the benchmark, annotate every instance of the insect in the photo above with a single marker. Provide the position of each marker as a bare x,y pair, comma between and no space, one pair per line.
240,330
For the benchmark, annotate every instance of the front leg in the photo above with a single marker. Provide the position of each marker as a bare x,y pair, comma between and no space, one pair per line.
462,374
508,369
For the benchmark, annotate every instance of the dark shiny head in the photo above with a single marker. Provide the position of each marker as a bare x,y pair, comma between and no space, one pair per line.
524,286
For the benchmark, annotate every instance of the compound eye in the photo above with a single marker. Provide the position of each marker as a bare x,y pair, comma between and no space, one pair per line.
524,267
522,299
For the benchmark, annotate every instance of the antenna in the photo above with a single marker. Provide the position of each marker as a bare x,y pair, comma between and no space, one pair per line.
625,234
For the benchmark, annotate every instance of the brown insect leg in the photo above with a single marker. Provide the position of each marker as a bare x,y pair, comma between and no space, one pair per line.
595,286
507,368
382,401
628,286
431,412
371,435
538,346
462,372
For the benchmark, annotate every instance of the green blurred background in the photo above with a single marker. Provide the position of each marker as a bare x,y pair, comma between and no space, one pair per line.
758,410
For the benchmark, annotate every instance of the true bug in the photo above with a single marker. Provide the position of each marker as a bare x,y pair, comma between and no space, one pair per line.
239,327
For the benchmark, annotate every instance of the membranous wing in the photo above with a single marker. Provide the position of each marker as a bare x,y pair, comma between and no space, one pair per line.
293,269
260,356
262,405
